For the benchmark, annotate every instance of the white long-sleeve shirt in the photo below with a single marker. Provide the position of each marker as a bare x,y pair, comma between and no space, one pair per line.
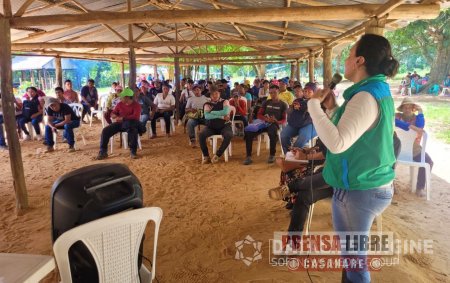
361,114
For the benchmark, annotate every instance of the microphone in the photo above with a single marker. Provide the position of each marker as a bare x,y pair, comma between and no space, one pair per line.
337,78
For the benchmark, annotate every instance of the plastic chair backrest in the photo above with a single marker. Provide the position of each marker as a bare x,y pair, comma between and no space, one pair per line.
77,108
408,138
113,242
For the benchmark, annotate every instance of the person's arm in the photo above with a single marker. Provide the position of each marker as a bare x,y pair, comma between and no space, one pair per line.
50,121
172,104
401,124
67,119
420,121
360,114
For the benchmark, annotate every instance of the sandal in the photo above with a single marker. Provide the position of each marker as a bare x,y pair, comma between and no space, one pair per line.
279,193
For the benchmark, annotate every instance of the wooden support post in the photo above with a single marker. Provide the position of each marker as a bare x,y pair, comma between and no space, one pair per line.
297,67
132,64
122,74
221,72
207,72
311,66
15,153
177,88
155,72
376,26
327,71
293,73
58,71
32,78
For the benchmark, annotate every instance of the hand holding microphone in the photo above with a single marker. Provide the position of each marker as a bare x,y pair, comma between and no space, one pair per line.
324,96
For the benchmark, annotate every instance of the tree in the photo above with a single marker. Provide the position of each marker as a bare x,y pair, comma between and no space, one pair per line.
427,41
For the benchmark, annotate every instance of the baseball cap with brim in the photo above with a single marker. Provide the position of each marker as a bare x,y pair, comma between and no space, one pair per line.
49,101
127,92
406,101
284,80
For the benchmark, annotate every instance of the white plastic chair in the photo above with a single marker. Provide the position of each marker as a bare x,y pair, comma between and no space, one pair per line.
405,157
124,141
444,91
101,109
113,242
265,135
163,124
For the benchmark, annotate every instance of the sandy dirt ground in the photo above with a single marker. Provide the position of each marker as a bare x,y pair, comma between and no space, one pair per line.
208,208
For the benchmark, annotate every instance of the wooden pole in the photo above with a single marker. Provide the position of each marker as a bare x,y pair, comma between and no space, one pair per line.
177,87
122,74
155,72
32,78
293,74
297,67
308,13
327,68
311,67
221,71
376,26
132,64
207,72
58,71
15,153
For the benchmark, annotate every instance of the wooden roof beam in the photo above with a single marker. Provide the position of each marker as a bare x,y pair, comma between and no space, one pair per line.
324,13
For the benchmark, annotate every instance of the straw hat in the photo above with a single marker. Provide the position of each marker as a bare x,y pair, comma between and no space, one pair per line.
406,101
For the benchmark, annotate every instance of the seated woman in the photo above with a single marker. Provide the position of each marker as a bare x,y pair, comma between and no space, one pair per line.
299,122
305,183
111,102
165,104
31,112
406,119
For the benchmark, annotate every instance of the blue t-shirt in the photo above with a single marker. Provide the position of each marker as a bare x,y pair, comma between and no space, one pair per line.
299,118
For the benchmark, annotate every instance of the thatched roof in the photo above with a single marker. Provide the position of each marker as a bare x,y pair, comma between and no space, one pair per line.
161,29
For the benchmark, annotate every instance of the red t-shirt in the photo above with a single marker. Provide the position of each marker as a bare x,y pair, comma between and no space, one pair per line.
241,109
128,112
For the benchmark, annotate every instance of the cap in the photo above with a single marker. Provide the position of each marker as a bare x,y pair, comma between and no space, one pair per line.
284,80
126,92
49,101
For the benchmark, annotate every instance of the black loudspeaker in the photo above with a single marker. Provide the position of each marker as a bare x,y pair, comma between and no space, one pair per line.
87,194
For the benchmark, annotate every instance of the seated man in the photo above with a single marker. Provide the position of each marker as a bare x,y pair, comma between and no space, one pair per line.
273,113
69,93
299,122
89,98
194,112
217,115
165,104
60,116
147,106
31,112
111,102
126,116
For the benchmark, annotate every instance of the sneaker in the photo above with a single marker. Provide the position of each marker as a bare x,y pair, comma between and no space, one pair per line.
193,144
38,137
289,205
133,155
206,160
215,159
49,149
65,140
247,161
101,156
26,138
72,148
45,142
271,159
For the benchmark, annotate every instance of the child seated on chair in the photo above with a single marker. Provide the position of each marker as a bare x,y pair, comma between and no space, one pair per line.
406,119
302,184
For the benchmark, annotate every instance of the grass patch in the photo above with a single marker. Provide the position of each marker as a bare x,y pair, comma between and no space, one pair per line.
437,119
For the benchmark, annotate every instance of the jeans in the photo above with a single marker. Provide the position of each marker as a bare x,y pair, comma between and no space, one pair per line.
67,134
227,134
272,131
421,176
166,115
144,119
131,127
191,124
304,135
34,121
354,211
309,190
2,137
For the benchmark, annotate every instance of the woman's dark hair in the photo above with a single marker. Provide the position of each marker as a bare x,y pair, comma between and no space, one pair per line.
31,87
377,53
58,88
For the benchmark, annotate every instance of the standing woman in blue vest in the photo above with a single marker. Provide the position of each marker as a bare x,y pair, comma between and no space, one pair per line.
358,135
